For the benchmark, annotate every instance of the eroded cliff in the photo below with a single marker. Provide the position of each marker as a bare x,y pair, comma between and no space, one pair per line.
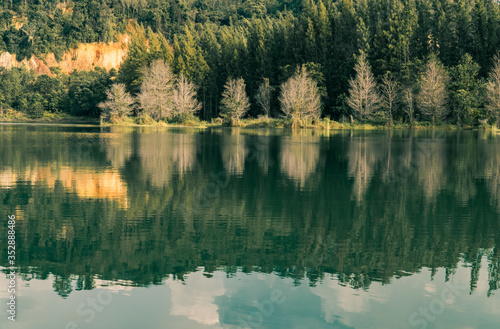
84,57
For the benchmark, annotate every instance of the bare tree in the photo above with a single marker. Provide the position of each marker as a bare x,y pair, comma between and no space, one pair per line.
432,96
493,91
263,96
185,102
235,102
157,88
390,94
118,104
364,98
409,102
300,98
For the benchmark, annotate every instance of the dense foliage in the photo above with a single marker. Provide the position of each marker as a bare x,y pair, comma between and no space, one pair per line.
209,41
78,94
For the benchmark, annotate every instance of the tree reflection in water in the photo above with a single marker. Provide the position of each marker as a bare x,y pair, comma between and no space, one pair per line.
299,206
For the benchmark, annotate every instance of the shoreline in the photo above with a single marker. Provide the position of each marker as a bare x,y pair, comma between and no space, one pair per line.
14,117
259,123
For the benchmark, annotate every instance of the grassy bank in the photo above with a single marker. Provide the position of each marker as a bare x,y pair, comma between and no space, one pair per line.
250,123
13,116
325,123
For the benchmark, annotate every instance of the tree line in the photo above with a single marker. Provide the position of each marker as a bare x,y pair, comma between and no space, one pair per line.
429,59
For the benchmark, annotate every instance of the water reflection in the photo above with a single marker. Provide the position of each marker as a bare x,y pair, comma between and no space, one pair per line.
163,154
233,151
202,308
212,300
378,206
363,157
299,157
491,161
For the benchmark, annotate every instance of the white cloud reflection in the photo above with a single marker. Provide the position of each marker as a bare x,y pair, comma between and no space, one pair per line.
196,299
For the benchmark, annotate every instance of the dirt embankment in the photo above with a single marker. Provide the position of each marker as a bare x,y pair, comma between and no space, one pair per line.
85,57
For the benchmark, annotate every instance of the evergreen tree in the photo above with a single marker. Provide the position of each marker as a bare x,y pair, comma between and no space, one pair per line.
465,90
212,87
189,58
257,64
145,47
345,36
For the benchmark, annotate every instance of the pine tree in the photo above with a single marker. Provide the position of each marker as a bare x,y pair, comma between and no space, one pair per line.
309,42
136,58
158,47
324,33
190,58
465,89
258,55
345,36
145,47
363,41
178,64
212,87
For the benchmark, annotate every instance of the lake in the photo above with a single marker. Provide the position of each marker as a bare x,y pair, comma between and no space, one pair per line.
122,227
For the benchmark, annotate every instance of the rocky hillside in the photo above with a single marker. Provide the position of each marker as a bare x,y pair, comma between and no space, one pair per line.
85,57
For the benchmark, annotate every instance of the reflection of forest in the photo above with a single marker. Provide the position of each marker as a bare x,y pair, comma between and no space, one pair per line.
378,205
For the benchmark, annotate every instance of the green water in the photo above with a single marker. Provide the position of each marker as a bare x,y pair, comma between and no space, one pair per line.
186,228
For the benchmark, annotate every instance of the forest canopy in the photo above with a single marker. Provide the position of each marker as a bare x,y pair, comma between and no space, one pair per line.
439,54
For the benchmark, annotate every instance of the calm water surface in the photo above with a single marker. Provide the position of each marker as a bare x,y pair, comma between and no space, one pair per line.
184,228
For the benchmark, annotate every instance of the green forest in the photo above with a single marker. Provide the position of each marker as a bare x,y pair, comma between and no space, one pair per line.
384,61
